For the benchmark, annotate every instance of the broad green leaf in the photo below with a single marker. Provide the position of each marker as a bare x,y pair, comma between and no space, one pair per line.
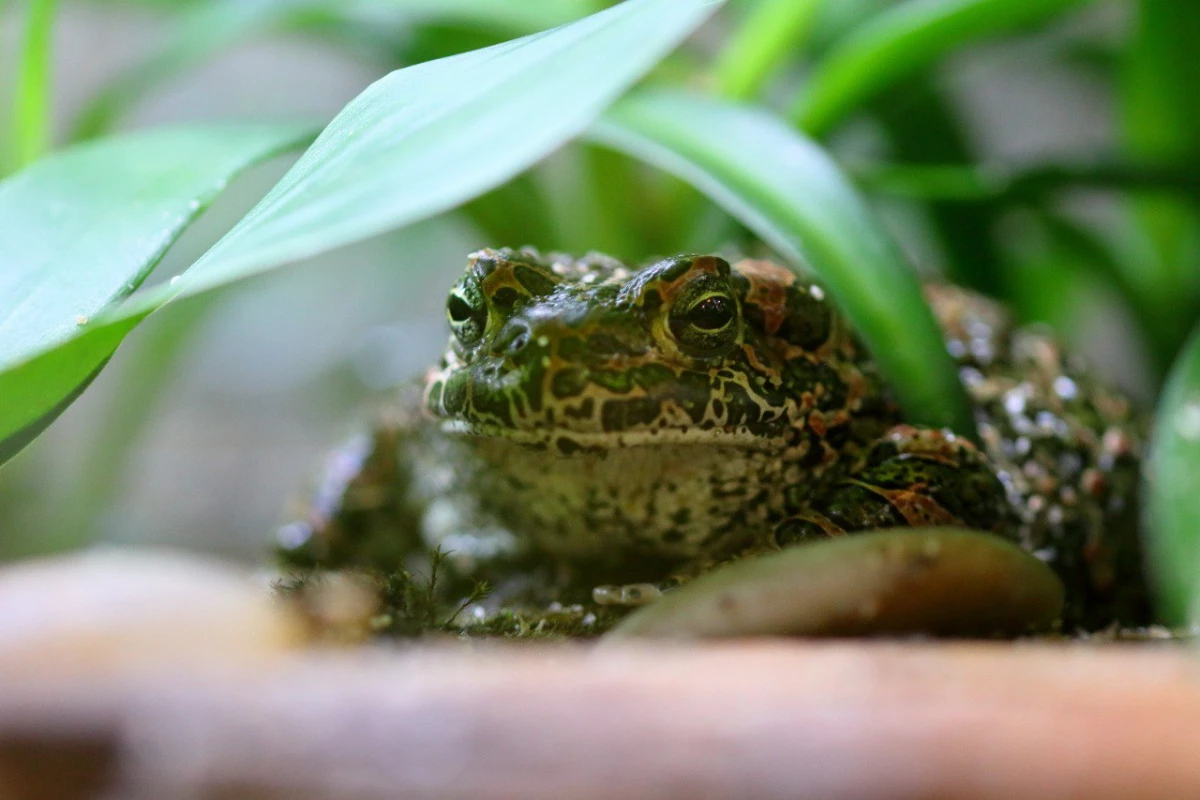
204,31
31,116
427,138
37,392
788,191
418,142
82,229
901,40
1173,492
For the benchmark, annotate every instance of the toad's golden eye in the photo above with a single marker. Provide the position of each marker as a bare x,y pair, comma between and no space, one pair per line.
706,321
713,313
467,314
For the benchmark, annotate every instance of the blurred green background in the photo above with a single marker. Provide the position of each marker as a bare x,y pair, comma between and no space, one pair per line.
1051,162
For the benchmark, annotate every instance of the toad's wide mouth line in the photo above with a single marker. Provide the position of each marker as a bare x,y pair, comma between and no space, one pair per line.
739,437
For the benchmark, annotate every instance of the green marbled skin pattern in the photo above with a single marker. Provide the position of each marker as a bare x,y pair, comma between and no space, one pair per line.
631,424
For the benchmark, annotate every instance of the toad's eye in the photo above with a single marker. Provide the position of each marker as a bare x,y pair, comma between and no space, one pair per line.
712,313
705,325
467,314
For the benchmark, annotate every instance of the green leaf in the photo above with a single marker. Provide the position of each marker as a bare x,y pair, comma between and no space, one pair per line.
901,40
922,126
81,230
1160,95
210,28
770,33
427,138
1173,492
788,191
840,17
31,116
418,142
1161,124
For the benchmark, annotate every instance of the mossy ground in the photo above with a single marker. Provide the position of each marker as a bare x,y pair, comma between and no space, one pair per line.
403,603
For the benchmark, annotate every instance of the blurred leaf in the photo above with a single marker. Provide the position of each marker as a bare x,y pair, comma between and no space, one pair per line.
31,117
837,18
418,142
927,181
513,14
104,455
82,229
788,191
1031,182
586,192
1161,119
1173,502
902,39
1051,256
210,28
513,213
924,127
198,34
433,40
1162,95
770,32
1077,245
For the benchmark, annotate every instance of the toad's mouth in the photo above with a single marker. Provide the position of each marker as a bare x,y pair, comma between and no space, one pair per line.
607,408
569,441
602,419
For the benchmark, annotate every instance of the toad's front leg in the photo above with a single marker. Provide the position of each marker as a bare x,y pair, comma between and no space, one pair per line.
910,477
932,577
360,514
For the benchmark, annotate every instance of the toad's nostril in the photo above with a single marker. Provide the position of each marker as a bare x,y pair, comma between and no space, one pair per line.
512,338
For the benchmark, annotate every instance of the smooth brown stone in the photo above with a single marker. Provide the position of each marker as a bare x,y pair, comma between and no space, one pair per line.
940,581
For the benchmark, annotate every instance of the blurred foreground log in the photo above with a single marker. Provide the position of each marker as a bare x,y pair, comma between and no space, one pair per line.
769,720
161,676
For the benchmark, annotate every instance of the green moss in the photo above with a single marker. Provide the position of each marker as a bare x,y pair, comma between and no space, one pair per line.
554,622
412,603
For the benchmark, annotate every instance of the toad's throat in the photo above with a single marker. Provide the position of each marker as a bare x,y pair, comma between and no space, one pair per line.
666,502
